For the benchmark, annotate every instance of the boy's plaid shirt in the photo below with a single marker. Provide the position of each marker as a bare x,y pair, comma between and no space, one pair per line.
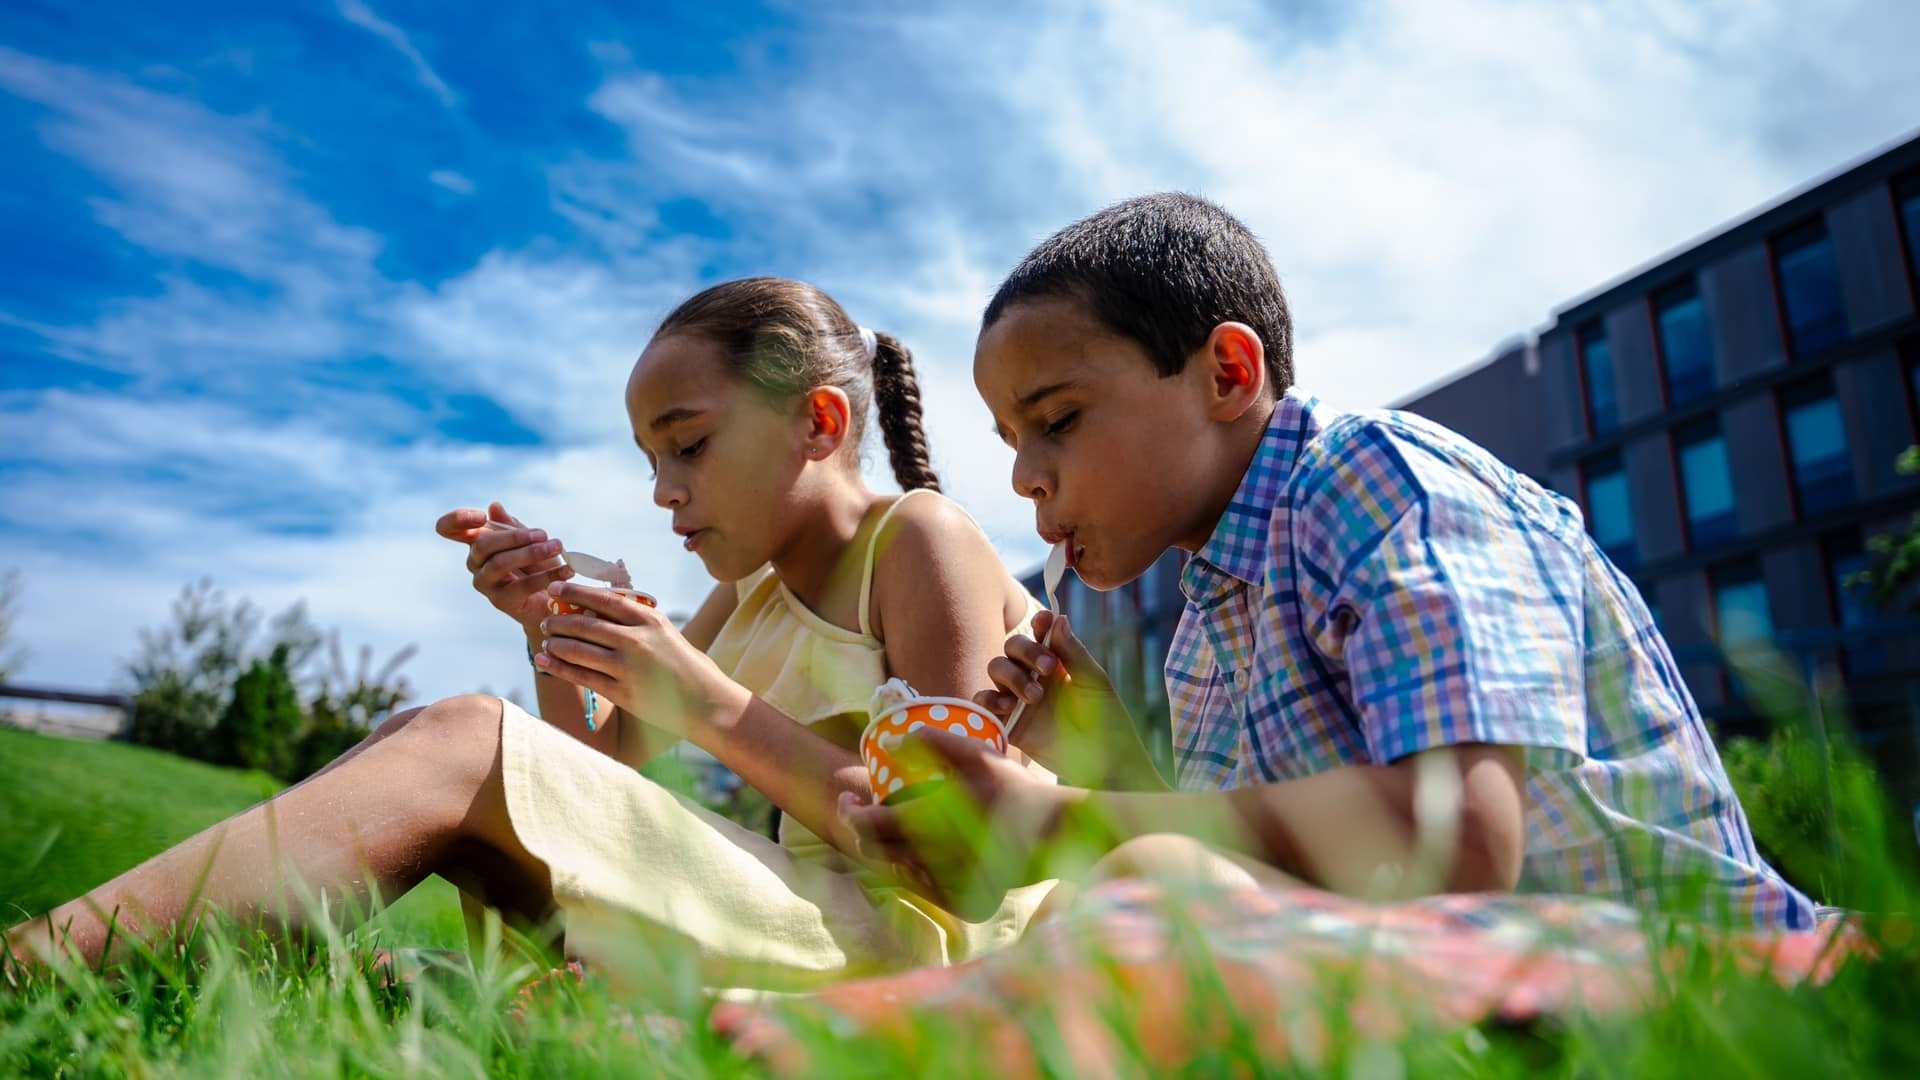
1381,586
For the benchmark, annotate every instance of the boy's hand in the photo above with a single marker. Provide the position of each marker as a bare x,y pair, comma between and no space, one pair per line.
970,839
1074,719
509,566
633,656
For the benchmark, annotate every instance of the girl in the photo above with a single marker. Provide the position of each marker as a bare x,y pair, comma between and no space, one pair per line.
749,402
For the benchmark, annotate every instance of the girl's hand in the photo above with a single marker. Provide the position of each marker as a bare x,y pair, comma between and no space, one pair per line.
634,657
510,567
968,841
1072,707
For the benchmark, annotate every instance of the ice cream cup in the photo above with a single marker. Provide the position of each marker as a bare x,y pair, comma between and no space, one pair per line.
901,771
561,607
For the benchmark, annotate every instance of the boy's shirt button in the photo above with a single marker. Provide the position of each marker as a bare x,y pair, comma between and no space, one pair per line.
1240,678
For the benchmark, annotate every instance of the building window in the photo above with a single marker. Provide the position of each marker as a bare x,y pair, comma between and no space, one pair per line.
1122,661
1741,615
1810,287
1596,374
1149,586
1906,198
1153,662
1082,604
1706,483
1851,606
1686,346
1610,509
1817,445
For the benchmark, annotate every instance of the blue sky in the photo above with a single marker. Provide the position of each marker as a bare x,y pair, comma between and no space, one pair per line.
283,282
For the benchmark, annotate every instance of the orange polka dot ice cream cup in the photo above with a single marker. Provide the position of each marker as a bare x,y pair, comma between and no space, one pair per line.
561,607
901,771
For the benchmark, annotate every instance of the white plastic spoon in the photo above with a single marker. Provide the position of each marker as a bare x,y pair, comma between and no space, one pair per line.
588,566
1055,570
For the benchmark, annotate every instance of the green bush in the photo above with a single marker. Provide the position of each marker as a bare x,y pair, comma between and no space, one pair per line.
1896,555
172,714
203,688
261,726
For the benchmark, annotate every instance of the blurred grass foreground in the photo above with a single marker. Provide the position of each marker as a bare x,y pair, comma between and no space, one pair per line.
237,1003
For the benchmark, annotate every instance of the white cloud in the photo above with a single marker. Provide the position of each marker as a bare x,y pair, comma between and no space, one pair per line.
100,567
1430,176
455,182
202,189
552,336
359,14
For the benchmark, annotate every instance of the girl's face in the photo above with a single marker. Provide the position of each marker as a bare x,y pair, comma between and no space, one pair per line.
725,461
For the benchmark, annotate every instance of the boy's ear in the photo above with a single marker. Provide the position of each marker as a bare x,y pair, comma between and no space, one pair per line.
1234,362
828,414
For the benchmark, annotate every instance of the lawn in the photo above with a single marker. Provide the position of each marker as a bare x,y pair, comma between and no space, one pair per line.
75,812
78,812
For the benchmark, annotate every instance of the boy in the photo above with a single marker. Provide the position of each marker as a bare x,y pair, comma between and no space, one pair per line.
1402,666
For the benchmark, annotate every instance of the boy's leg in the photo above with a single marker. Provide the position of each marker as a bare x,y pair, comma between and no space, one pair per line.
424,797
1177,860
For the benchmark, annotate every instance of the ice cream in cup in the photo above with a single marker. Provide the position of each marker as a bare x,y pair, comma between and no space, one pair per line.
900,771
562,607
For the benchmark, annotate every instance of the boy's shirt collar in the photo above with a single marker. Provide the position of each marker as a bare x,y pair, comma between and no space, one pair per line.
1238,550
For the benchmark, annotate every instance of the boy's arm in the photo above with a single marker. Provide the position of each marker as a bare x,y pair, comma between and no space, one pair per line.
1445,819
1449,820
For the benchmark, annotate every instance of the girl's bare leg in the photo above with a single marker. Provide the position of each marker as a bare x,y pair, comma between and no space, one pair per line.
422,796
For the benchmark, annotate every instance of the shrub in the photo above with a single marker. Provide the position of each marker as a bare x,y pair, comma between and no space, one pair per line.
261,726
173,714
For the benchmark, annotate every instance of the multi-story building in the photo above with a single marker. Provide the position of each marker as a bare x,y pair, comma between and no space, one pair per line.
1728,417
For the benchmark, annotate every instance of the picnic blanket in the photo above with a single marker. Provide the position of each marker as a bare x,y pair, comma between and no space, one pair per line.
1138,972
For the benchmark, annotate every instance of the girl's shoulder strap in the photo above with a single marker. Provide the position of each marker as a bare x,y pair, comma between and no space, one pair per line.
873,546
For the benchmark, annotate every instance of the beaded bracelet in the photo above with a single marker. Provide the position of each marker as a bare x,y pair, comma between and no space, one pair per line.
592,700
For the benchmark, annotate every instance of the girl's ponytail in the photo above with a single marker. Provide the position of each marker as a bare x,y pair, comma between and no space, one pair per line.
896,399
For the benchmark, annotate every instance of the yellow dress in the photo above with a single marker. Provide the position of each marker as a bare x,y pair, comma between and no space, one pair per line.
631,861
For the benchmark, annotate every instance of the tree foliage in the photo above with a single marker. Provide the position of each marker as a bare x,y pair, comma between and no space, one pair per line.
1896,556
185,670
211,685
262,722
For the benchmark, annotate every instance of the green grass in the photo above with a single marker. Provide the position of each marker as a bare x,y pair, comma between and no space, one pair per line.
74,813
233,1005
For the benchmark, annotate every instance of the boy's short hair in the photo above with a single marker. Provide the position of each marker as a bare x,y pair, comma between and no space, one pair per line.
1163,270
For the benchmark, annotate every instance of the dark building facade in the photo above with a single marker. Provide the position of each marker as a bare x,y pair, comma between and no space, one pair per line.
1728,417
1500,404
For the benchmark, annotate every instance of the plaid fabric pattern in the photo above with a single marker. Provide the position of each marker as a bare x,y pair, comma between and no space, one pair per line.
1380,586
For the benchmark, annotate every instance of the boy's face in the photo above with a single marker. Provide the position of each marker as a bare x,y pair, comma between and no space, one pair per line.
1119,462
